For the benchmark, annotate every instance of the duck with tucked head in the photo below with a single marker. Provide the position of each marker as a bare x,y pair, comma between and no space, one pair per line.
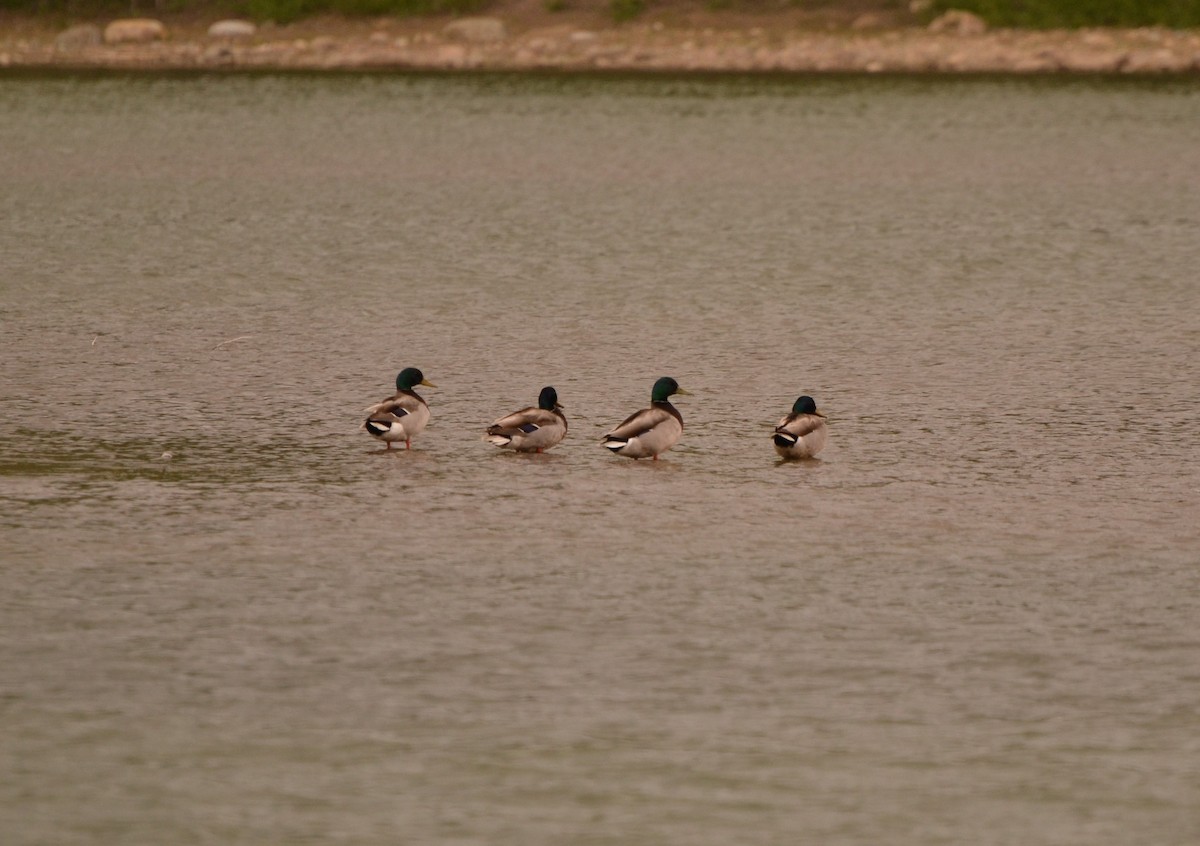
531,429
403,416
652,430
801,434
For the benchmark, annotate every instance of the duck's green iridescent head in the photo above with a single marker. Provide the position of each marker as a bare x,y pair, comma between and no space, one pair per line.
806,405
665,387
548,399
410,377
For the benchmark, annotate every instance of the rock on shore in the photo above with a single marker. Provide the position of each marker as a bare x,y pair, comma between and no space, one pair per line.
134,31
954,44
232,29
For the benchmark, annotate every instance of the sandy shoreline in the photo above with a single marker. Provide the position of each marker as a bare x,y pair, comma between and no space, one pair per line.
594,44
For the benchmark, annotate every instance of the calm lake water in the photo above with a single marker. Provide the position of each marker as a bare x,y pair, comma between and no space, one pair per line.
972,621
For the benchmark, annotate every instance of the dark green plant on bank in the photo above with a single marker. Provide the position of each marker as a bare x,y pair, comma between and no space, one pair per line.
1032,14
626,10
283,11
109,8
1072,14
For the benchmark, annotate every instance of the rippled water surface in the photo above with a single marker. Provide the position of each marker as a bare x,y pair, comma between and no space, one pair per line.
972,621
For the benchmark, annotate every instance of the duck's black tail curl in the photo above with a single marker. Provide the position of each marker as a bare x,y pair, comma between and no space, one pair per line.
376,428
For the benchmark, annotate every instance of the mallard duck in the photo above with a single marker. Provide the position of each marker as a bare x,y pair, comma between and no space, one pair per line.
801,434
531,429
403,416
651,430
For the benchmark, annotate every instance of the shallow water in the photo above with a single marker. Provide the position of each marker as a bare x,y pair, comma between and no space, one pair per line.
971,620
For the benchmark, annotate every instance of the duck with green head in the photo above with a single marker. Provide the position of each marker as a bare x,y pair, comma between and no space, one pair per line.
531,429
653,430
802,433
403,416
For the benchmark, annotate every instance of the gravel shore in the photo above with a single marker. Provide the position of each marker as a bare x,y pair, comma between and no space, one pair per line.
561,43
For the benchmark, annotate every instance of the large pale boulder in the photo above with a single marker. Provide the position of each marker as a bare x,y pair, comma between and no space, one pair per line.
476,30
958,22
78,38
134,31
232,29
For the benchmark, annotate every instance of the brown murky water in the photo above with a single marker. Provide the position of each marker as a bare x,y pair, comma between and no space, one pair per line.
973,620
